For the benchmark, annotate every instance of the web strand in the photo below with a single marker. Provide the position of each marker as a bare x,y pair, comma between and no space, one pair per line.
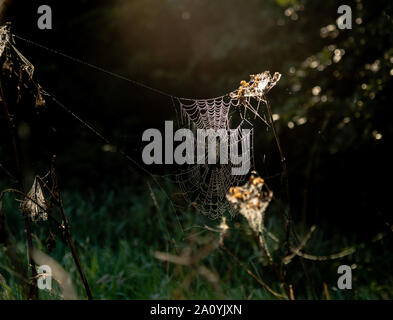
101,69
204,185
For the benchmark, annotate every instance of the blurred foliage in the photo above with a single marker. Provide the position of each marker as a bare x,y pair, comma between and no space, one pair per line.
118,231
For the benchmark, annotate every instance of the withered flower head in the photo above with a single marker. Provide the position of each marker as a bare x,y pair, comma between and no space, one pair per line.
251,200
257,87
34,205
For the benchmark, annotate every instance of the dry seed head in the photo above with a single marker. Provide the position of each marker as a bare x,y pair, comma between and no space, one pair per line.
259,85
252,200
34,205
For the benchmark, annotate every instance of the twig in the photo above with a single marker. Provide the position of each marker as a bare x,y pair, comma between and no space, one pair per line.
30,199
9,174
326,290
263,284
291,293
67,231
311,157
33,289
10,128
263,246
11,252
288,258
334,256
284,179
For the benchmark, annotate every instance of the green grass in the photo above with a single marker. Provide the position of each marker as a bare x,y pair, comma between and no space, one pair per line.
117,232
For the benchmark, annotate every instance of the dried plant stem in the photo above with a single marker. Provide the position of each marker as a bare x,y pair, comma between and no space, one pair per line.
10,128
263,284
284,180
75,253
325,288
11,253
288,258
9,174
33,289
263,246
290,225
291,293
284,173
334,256
25,196
276,137
66,228
248,105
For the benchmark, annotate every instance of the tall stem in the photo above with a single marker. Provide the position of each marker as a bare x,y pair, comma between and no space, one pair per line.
290,225
66,228
73,250
33,289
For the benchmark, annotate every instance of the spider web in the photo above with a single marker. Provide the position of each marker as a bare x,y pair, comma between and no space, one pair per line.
205,186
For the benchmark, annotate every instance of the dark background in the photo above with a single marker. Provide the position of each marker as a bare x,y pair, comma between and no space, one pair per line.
339,172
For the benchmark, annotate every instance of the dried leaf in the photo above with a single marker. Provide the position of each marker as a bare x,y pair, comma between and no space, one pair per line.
257,87
39,101
35,204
